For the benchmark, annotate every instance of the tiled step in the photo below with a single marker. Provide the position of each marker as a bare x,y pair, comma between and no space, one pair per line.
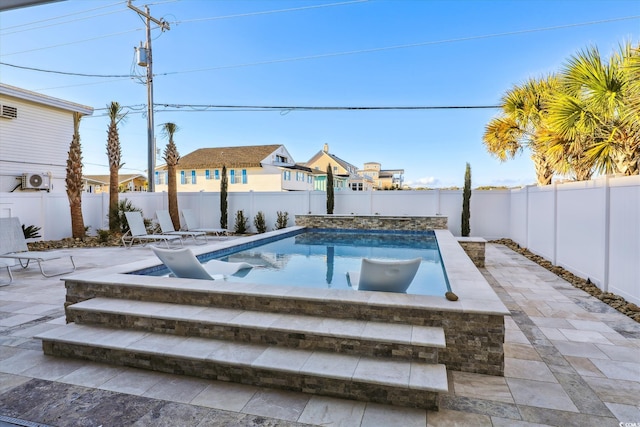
402,383
356,337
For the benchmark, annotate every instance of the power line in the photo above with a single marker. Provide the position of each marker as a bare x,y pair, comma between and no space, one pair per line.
285,109
62,16
268,12
62,23
74,42
403,46
67,73
327,55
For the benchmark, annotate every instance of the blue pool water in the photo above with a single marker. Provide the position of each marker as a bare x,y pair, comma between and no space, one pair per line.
321,258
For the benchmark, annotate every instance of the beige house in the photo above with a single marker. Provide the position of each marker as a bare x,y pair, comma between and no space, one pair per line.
128,182
249,168
343,171
383,179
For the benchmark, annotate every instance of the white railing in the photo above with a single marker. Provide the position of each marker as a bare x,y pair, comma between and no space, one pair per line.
591,228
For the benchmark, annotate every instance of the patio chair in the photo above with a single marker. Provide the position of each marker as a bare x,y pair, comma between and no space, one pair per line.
384,276
3,265
166,227
184,264
13,245
137,231
191,224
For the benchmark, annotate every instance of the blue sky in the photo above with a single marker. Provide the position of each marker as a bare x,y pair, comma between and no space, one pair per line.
380,53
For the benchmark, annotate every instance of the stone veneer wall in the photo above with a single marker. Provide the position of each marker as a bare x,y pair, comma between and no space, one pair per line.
373,222
474,340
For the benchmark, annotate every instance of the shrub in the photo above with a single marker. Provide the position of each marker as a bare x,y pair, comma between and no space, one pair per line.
466,202
260,222
120,220
103,235
281,222
31,232
241,223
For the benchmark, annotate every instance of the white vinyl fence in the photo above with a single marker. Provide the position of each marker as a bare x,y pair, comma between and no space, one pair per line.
591,228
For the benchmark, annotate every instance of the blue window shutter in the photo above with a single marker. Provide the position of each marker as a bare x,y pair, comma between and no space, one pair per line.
216,174
183,178
207,174
156,177
193,177
232,176
244,176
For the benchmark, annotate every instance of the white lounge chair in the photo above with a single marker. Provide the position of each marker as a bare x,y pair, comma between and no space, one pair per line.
191,223
166,227
137,231
184,264
13,245
3,265
384,276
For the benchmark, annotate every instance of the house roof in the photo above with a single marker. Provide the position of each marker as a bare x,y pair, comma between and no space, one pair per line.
346,165
231,157
104,179
27,95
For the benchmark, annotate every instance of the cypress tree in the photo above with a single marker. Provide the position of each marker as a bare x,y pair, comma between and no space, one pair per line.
330,195
466,202
224,182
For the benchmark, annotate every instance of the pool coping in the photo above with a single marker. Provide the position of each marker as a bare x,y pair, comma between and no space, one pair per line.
465,280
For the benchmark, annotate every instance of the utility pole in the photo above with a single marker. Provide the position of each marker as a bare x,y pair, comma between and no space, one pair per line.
151,143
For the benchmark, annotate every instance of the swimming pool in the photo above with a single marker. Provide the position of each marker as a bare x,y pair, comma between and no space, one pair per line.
320,258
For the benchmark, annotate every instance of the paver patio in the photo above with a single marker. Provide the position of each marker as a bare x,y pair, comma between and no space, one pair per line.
570,360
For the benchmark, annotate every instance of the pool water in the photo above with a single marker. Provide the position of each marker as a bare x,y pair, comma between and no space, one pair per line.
321,259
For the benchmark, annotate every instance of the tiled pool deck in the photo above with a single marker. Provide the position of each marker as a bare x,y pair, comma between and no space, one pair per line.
570,360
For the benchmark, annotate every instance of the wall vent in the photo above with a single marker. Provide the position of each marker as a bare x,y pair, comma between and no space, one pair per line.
8,112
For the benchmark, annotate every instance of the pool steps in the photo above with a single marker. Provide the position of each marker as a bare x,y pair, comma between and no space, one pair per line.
355,359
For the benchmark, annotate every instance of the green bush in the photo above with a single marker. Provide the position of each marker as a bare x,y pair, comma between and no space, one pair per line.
281,222
125,205
103,235
241,223
260,222
31,232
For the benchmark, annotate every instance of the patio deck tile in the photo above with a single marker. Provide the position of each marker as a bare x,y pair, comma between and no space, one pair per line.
570,360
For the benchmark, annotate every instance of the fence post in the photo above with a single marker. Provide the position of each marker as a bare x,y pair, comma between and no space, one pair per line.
554,255
607,232
526,216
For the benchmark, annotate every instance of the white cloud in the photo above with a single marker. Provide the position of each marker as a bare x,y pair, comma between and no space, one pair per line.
428,181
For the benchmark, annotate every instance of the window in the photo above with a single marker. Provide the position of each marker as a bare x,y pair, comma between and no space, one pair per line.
183,178
281,159
156,178
287,175
232,176
309,179
244,176
335,169
207,174
193,177
299,176
216,174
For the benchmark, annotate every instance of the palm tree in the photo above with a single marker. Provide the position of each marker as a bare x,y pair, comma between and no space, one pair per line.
114,153
521,125
594,113
74,180
171,158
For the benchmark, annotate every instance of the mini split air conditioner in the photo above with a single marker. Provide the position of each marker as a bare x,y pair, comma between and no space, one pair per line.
36,181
